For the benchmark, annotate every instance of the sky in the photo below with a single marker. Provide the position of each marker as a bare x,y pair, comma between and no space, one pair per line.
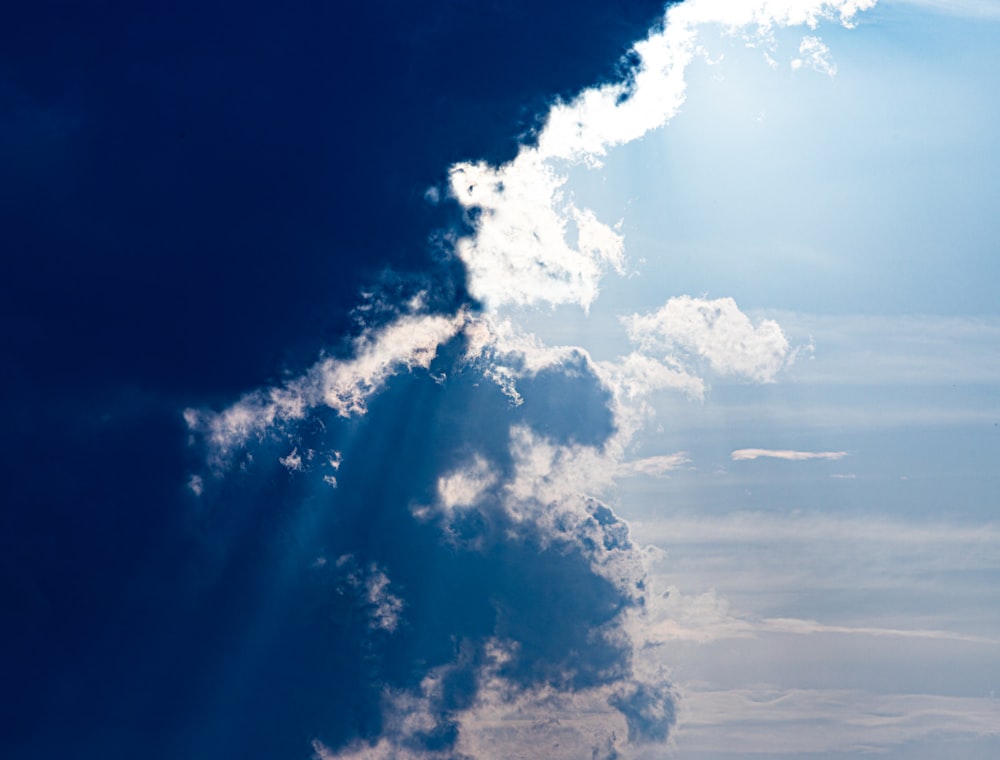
501,380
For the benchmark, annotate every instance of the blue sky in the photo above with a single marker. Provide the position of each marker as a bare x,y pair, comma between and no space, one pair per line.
631,395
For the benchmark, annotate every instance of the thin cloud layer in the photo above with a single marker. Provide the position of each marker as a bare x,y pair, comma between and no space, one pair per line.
740,455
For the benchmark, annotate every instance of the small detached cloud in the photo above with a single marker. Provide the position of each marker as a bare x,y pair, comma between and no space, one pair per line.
740,455
715,331
816,56
466,486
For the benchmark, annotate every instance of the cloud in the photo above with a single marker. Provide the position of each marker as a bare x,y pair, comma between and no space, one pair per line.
816,56
740,455
521,251
655,466
343,385
292,461
707,617
780,721
806,627
466,486
716,331
494,600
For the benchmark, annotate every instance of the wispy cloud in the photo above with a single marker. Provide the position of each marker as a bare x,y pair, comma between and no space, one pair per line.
709,617
656,466
805,627
740,455
780,721
816,56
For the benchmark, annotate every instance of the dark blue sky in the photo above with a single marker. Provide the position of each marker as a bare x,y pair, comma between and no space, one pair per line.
192,197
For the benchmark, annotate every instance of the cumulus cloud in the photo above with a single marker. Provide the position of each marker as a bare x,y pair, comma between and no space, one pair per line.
740,455
717,331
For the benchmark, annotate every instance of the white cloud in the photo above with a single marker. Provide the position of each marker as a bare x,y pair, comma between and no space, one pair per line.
344,385
635,376
465,487
740,455
410,341
816,56
717,331
293,461
520,253
386,606
655,466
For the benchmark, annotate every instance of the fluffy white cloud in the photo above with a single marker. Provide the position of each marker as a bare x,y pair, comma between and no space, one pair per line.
464,487
717,331
522,252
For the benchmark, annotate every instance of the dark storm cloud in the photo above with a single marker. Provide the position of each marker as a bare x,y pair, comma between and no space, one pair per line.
193,197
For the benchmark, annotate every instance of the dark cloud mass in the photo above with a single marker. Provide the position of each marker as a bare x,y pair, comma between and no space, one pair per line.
194,198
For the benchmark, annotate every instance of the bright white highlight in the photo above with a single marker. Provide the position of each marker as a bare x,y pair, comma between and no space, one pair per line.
465,487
